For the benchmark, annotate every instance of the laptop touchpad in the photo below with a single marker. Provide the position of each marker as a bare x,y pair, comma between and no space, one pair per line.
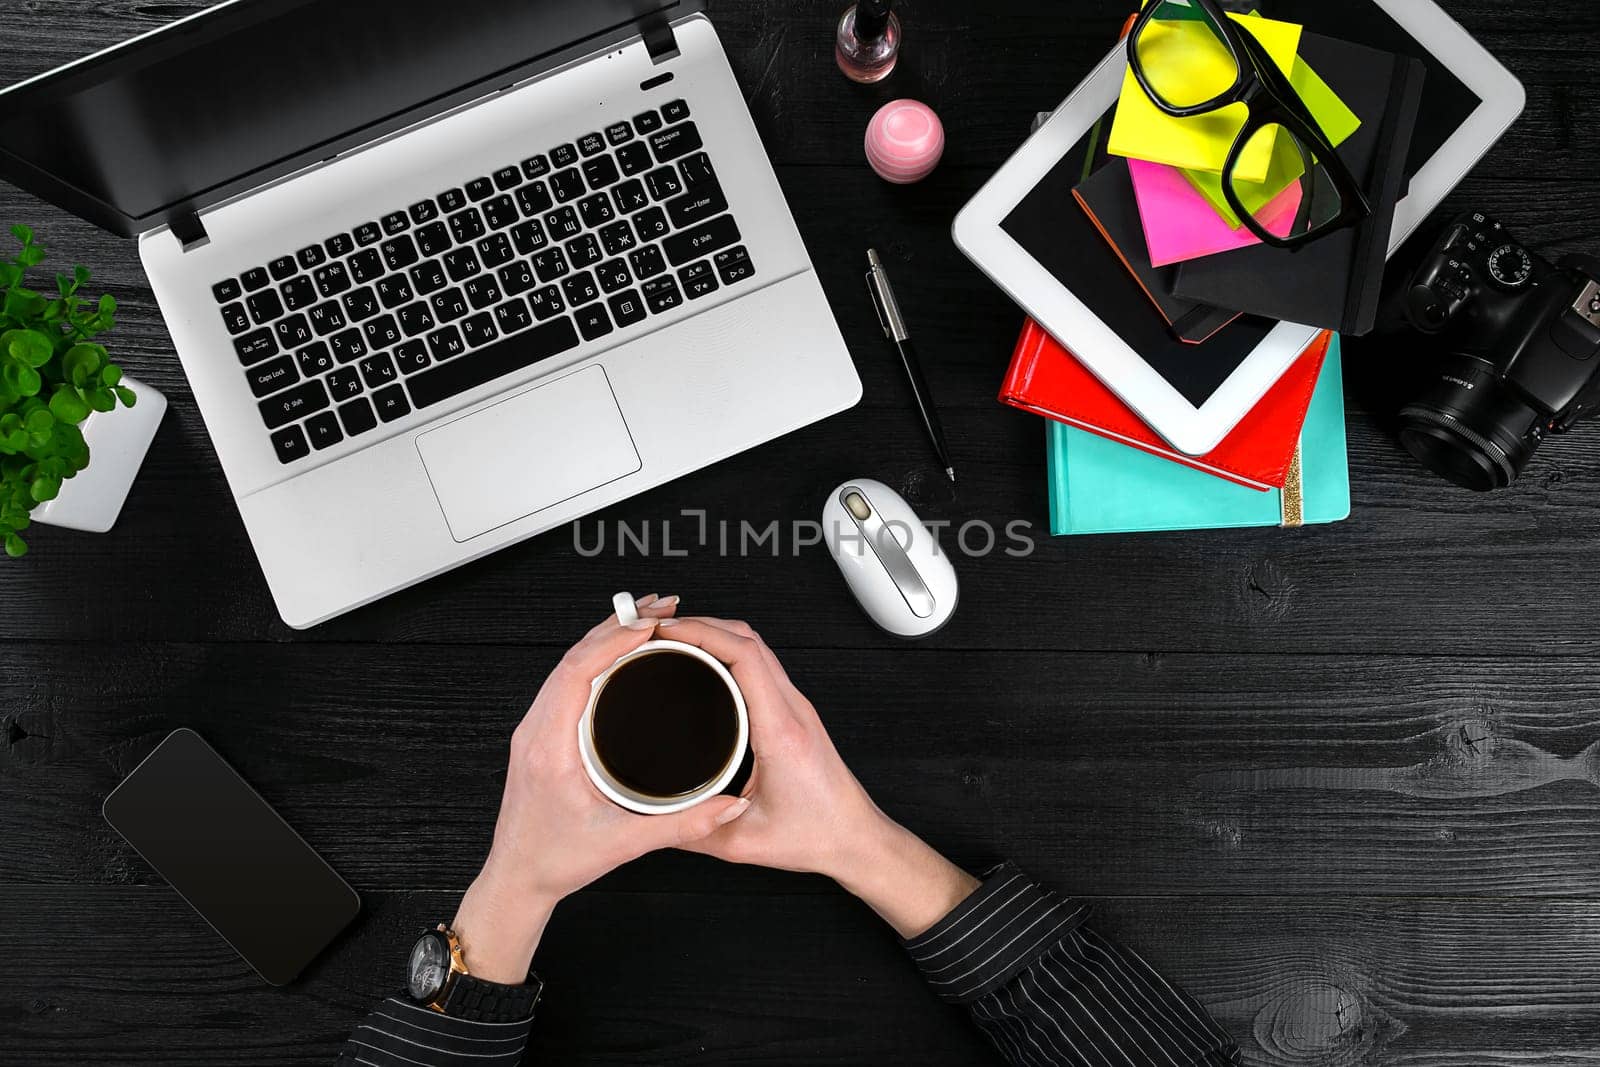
528,452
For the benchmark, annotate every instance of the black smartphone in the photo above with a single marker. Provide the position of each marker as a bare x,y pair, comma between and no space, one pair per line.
234,859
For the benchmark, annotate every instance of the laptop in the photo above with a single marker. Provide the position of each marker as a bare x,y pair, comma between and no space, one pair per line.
443,276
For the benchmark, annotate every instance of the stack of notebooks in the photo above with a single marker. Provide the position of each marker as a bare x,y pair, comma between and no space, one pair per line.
1157,200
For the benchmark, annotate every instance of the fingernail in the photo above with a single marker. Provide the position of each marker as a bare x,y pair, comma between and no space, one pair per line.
733,811
645,601
667,601
667,622
641,624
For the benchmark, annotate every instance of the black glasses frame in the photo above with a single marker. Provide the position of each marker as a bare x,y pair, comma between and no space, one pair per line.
1262,88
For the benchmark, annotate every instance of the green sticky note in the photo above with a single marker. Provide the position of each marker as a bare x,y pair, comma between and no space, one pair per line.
1336,120
1190,51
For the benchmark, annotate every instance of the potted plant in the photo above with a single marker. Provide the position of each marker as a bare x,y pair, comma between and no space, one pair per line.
59,398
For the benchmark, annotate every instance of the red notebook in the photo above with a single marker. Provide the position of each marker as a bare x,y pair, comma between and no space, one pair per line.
1045,379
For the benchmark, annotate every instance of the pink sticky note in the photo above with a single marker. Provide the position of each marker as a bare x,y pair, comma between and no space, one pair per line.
1180,225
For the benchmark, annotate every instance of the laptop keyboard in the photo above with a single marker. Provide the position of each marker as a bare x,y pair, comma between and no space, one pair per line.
432,300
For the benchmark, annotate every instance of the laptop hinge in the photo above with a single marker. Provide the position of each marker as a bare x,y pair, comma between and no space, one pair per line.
190,231
658,38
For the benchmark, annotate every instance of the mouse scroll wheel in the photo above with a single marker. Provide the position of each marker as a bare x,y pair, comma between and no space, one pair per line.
858,505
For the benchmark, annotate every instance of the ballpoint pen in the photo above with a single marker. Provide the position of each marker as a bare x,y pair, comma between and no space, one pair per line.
894,328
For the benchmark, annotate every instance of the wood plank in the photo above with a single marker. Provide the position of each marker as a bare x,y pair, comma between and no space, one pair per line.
1118,774
667,979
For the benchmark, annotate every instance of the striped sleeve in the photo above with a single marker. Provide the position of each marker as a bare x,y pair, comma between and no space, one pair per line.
398,1033
1051,992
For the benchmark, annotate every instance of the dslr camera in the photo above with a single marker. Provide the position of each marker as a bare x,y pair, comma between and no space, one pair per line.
1522,336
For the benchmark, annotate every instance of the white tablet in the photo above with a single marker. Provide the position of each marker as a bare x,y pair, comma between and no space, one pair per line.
1060,273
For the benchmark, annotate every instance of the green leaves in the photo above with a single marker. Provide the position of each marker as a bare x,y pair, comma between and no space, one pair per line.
53,376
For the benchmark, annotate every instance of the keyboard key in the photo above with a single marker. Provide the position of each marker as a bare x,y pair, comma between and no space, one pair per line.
446,380
698,279
427,277
412,356
535,167
563,155
664,183
391,403
546,302
600,172
314,360
661,294
467,226
651,224
290,444
566,185
452,200
434,239
267,378
415,319
294,331
332,279
630,196
283,267
481,292
399,253
535,199
675,110
255,279
324,430
311,256
339,245
462,264
647,262
512,316
697,171
307,398
395,290
299,293
583,251
226,290
449,305
445,343
480,189
550,264
700,203
733,265
528,236
368,233
627,308
378,371
495,251
579,288
347,345
618,238
479,329
325,318
563,223
593,321
361,304
255,346
396,222
596,210
647,122
500,212
612,275
675,141
264,306
424,211
619,132
507,178
367,266
634,158
381,332
704,238
345,383
356,417
590,143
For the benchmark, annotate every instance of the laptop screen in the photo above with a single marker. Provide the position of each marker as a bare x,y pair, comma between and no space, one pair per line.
253,89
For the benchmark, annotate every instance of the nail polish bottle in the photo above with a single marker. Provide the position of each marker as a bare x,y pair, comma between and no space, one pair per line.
868,41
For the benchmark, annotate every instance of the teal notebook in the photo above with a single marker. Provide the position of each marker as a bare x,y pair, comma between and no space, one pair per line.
1100,486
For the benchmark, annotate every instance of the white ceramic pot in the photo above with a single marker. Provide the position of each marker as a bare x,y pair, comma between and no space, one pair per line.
118,440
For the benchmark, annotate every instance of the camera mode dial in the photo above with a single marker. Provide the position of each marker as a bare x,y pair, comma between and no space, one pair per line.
1510,266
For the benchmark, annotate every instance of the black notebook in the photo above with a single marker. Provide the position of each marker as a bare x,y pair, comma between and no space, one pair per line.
1335,281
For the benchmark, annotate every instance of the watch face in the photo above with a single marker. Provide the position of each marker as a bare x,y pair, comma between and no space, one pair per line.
428,967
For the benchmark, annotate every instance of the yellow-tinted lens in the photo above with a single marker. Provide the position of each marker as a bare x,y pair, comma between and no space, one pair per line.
1309,201
1186,61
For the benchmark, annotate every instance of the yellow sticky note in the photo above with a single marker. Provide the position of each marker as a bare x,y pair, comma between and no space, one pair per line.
1143,131
1336,120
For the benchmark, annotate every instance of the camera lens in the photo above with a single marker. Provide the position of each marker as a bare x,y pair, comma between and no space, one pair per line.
1468,427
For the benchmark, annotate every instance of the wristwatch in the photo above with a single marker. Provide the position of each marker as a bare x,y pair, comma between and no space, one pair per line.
437,977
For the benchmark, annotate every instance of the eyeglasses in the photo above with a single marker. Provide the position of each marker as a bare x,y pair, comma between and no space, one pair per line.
1192,59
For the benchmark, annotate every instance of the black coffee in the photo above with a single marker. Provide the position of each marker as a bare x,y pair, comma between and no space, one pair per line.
665,724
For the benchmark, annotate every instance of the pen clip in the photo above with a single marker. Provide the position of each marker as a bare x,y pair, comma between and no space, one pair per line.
883,301
875,290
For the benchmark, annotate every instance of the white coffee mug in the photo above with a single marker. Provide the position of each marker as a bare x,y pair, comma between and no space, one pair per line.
620,793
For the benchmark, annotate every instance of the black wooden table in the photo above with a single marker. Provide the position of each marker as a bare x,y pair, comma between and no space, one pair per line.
1340,782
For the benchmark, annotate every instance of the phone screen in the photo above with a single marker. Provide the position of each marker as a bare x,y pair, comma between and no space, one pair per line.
234,859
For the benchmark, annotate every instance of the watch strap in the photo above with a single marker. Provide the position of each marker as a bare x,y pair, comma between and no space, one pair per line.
492,1002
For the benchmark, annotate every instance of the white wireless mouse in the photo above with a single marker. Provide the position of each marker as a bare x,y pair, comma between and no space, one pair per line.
890,560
